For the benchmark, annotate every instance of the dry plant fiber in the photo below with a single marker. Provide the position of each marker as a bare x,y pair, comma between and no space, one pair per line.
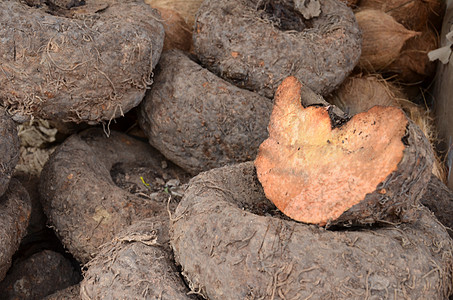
360,93
413,64
413,14
383,39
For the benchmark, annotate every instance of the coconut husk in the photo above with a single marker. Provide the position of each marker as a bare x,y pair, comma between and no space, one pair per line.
360,93
383,39
178,34
186,8
413,64
413,14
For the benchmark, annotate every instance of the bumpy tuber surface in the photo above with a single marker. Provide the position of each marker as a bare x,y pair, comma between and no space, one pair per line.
373,167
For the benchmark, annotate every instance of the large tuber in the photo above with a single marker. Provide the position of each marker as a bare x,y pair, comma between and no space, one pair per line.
321,169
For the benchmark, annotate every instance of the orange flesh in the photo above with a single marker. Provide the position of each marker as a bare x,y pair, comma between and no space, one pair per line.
314,173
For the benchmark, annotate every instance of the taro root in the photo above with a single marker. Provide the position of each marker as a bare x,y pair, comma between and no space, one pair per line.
199,121
232,244
256,44
142,268
439,199
383,39
87,64
9,149
413,14
87,194
318,168
39,275
15,209
70,293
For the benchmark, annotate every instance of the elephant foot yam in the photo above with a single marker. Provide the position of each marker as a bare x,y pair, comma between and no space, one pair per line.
86,194
69,293
373,167
256,44
9,149
137,263
439,199
231,246
90,63
198,120
15,210
39,275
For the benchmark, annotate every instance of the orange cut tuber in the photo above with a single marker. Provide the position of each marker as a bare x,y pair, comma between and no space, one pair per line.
314,170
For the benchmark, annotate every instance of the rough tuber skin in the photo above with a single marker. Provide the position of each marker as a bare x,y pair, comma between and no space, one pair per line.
319,168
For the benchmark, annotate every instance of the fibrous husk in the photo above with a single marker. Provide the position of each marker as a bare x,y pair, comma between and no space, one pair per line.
383,39
413,14
316,170
177,33
413,64
186,8
360,93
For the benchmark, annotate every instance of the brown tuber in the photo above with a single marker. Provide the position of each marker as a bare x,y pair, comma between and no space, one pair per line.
317,169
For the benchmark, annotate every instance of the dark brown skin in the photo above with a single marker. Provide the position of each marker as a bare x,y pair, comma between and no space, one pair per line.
38,276
256,44
87,64
15,209
80,198
231,243
9,149
199,121
138,262
439,199
70,293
